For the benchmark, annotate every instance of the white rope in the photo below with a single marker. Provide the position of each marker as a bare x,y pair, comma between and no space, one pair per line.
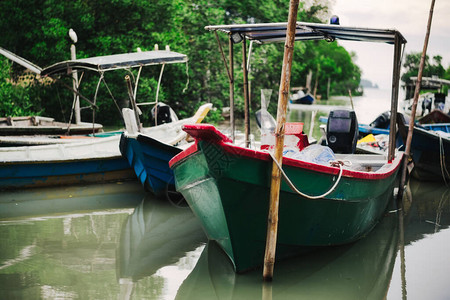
292,186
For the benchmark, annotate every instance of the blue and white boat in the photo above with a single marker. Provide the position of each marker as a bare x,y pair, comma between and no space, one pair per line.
430,144
89,161
149,150
430,150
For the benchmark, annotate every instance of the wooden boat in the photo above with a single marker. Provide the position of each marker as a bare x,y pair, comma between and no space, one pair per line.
83,160
302,98
30,140
430,148
429,145
27,127
88,161
227,186
38,125
148,152
435,99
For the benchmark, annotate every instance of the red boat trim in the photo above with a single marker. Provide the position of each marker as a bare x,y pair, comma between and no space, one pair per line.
210,133
260,155
206,132
182,155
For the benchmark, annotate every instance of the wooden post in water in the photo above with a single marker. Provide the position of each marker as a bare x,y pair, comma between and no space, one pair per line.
272,226
415,100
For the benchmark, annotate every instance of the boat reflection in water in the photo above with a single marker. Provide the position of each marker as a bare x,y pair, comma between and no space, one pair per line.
361,270
157,234
427,209
421,272
67,200
60,242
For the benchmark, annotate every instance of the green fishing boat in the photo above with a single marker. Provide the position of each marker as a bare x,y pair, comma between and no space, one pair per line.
228,187
321,203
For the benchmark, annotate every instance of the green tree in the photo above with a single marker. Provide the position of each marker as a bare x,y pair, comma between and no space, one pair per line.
18,95
37,30
412,62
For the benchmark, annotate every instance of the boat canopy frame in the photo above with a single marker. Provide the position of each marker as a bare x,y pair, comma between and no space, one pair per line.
103,64
116,61
266,33
127,61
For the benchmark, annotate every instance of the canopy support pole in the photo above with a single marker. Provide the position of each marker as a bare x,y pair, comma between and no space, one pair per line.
230,73
157,94
231,79
246,93
76,98
394,97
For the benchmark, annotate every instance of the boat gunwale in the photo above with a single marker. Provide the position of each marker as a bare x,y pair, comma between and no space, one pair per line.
218,138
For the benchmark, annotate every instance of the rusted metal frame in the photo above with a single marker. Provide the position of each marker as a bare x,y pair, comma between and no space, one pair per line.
394,96
157,93
230,73
246,93
95,101
231,79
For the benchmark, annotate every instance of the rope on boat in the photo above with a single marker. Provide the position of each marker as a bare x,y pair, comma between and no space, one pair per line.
292,186
444,170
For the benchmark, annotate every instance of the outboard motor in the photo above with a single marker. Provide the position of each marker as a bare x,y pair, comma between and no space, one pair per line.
382,121
342,131
165,114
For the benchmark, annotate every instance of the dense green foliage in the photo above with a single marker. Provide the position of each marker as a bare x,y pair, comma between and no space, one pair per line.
412,62
38,31
433,68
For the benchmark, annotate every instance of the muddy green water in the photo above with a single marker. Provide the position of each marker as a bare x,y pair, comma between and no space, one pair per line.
115,242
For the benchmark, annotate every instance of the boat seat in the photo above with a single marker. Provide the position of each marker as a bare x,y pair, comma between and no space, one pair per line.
129,118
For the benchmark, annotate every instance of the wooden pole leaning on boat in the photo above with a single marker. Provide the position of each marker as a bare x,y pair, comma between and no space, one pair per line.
415,100
133,101
272,226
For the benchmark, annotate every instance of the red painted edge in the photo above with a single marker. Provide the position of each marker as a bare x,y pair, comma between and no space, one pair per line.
210,133
206,132
183,154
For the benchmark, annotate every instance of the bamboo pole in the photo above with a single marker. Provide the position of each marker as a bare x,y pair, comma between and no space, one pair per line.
415,100
272,226
133,102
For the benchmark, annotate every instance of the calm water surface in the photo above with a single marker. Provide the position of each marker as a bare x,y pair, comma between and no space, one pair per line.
114,241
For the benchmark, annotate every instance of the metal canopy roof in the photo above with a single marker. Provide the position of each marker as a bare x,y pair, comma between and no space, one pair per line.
117,61
276,32
21,61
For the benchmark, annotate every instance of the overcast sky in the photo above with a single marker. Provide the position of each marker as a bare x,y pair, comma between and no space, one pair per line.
410,17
